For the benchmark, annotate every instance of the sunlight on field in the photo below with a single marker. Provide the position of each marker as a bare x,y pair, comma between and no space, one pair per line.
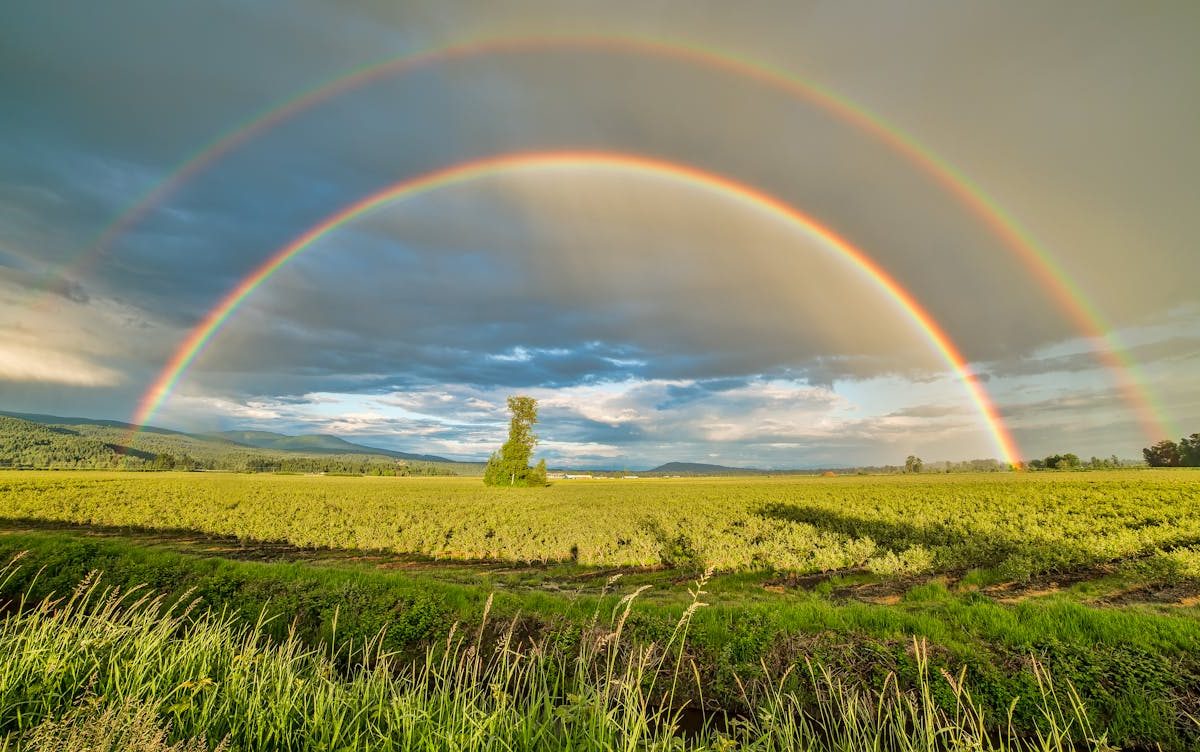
1021,524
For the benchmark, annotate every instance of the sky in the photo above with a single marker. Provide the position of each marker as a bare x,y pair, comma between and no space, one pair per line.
655,317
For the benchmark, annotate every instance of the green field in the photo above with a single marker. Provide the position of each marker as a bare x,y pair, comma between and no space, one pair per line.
1021,525
1094,576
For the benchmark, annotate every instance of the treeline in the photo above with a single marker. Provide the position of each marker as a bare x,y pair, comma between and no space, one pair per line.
1167,453
1071,461
336,464
340,464
915,464
1067,461
967,466
346,465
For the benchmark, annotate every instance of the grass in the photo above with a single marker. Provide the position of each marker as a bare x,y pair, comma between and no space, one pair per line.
1087,577
1022,525
105,669
1135,668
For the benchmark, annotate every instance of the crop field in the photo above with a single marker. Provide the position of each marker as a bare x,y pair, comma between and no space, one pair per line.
733,613
1019,525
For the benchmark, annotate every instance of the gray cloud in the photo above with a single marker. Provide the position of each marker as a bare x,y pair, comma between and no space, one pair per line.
558,281
1171,349
927,411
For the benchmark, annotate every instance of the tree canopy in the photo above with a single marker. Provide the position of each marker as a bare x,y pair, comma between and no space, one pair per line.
1167,453
1066,461
510,465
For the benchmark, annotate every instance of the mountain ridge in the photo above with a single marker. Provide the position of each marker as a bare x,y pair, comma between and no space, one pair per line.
703,468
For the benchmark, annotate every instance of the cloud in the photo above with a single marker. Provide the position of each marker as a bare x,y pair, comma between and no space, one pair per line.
927,411
645,311
66,339
30,363
632,422
527,310
1170,349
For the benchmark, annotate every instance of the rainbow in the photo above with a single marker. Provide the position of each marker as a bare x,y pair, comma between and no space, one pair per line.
1035,258
456,174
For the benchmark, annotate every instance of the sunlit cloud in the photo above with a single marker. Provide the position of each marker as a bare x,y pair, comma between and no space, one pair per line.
31,363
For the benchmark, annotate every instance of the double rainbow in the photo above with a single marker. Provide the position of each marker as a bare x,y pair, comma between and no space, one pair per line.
1033,256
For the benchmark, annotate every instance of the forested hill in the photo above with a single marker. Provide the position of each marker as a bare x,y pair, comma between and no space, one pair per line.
50,442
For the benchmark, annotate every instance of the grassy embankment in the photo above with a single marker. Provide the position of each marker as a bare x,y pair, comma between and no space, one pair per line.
106,670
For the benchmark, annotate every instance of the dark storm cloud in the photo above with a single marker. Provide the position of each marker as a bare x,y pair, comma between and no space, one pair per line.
143,80
474,292
241,210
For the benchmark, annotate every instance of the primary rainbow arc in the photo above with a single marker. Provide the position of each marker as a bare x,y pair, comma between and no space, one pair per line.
203,333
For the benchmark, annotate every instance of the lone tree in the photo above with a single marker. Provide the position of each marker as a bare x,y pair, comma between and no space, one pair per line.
510,466
913,464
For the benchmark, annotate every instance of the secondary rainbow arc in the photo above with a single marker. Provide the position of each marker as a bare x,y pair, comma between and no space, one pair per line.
202,333
1084,315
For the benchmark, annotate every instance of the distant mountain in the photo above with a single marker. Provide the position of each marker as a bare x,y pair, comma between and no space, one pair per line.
701,468
316,443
